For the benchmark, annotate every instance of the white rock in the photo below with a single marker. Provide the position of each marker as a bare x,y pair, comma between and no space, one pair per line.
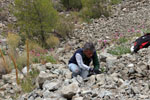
78,98
130,65
24,70
38,98
48,65
144,96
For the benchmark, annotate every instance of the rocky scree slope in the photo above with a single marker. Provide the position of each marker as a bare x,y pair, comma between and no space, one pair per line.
127,77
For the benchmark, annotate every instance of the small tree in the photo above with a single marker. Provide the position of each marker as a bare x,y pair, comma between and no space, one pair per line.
36,18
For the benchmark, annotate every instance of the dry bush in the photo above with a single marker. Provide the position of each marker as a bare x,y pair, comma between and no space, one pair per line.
13,40
2,68
21,61
65,25
95,9
34,46
52,41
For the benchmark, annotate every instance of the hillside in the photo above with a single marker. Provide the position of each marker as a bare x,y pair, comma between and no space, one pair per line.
124,77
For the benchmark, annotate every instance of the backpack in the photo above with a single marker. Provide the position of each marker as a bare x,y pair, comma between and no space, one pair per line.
141,42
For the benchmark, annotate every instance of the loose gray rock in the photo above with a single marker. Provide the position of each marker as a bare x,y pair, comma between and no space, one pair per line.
51,86
70,90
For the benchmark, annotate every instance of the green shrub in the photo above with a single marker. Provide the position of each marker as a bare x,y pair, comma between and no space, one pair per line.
122,40
21,60
28,84
145,30
52,41
103,69
113,2
13,40
51,59
35,18
35,60
95,8
72,4
65,26
34,73
119,50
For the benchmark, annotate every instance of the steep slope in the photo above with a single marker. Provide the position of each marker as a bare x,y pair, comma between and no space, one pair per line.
126,77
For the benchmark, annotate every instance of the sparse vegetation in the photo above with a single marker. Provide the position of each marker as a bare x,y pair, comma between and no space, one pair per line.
51,59
122,40
103,69
95,9
13,42
113,2
22,61
119,50
65,26
52,41
28,84
4,61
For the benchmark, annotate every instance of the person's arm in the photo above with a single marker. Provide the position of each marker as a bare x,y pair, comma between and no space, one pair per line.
80,62
95,61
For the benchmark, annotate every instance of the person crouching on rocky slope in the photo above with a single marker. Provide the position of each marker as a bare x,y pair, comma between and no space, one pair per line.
80,61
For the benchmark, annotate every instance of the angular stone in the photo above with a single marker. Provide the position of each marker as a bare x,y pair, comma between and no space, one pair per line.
43,76
79,79
110,61
49,65
11,77
39,67
51,86
38,98
47,94
130,65
78,98
105,93
68,75
144,96
70,90
84,92
91,80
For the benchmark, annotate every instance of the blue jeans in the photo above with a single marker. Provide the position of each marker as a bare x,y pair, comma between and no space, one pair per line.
76,70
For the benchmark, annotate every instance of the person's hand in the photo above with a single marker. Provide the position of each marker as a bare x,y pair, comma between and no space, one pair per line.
91,70
96,71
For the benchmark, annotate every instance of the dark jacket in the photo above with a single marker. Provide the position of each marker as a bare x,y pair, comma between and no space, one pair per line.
86,60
